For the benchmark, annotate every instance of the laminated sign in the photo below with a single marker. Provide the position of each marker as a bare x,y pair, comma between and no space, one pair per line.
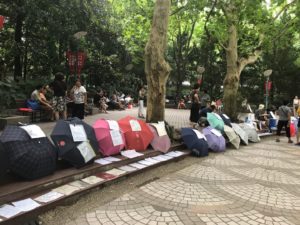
78,132
86,151
135,125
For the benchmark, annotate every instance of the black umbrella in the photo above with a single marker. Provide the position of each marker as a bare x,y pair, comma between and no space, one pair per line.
28,158
3,161
68,149
226,119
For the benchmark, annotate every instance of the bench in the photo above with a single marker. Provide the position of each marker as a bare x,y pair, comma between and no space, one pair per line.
22,109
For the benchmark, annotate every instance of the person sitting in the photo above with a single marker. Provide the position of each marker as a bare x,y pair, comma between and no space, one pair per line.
181,104
115,104
102,102
45,104
203,114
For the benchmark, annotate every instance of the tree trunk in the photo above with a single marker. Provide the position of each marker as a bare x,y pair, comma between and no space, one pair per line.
157,70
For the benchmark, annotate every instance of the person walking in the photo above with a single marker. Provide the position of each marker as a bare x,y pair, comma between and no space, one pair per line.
284,113
194,114
142,98
79,96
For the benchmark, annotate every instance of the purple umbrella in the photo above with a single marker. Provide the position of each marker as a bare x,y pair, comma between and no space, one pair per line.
160,143
215,140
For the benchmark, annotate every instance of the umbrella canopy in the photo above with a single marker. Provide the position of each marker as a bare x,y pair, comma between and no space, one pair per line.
215,121
76,141
195,141
215,140
3,161
110,138
250,131
233,138
28,157
161,143
226,119
137,133
239,131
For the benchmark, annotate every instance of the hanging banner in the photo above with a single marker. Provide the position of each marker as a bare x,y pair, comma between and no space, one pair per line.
268,85
2,18
71,61
80,61
199,81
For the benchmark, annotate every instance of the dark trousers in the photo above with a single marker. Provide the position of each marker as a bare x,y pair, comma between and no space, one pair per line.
280,125
78,111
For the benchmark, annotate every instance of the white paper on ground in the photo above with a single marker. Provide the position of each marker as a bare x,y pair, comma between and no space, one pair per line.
116,137
160,128
167,157
26,205
78,132
226,117
138,165
9,211
66,189
34,131
174,153
113,125
159,158
152,160
147,163
102,161
135,125
115,172
216,132
86,151
131,154
80,184
127,168
199,134
92,180
49,197
112,159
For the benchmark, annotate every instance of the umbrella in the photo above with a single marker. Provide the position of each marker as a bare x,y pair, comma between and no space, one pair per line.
215,121
195,141
3,161
137,133
226,119
239,131
161,143
250,131
110,138
76,141
29,157
233,138
215,140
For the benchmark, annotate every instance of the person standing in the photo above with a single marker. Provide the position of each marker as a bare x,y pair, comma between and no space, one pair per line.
205,98
80,100
194,114
142,97
59,88
284,113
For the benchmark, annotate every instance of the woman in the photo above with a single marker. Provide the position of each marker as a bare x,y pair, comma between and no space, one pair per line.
45,104
80,100
194,115
142,97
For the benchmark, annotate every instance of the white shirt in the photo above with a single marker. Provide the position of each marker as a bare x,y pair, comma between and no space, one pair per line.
79,94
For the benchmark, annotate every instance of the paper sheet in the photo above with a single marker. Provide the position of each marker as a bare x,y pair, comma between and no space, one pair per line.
49,197
78,132
199,134
226,117
106,176
272,115
102,161
66,189
160,128
159,158
116,172
34,131
135,125
92,180
152,160
86,151
26,205
113,125
131,154
174,153
216,132
112,159
80,184
218,116
9,211
138,165
127,168
116,137
146,162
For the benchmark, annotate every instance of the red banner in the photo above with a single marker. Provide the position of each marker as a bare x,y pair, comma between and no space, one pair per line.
75,61
71,60
268,85
2,18
80,61
199,81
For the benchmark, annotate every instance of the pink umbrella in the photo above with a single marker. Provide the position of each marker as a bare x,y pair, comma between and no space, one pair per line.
160,143
109,136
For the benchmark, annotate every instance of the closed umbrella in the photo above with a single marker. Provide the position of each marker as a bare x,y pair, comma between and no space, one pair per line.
250,131
137,133
233,138
215,140
76,141
110,138
215,121
160,142
239,131
29,156
195,141
226,119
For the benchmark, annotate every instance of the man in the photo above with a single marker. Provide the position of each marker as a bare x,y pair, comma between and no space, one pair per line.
205,98
284,113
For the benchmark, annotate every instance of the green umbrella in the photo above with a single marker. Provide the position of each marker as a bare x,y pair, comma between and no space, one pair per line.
215,121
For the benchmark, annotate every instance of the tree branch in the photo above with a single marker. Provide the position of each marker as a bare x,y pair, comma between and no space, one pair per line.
243,62
283,9
207,18
177,10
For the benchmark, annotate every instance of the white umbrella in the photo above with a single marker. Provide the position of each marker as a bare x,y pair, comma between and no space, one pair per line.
243,135
250,130
234,139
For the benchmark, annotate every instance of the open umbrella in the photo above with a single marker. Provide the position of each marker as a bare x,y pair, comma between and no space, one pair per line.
233,138
110,138
215,140
161,140
76,141
215,121
3,161
226,119
250,131
29,156
195,141
137,133
239,131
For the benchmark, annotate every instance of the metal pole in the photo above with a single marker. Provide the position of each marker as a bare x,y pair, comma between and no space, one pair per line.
267,92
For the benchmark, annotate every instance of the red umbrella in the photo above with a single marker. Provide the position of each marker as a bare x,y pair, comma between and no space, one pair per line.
137,133
160,143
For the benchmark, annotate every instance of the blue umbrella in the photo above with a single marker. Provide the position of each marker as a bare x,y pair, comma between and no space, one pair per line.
226,119
215,121
215,140
195,141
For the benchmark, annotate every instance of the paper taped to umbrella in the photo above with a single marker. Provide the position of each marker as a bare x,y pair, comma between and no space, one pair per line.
76,141
29,158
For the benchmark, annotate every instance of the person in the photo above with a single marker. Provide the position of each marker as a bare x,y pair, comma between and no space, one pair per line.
59,88
102,102
205,98
142,97
35,95
181,104
79,96
298,125
194,114
203,114
284,113
45,104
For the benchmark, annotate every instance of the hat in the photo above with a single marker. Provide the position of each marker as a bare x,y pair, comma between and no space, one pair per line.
261,106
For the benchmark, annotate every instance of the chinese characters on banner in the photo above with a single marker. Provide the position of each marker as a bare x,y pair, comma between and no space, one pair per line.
268,86
1,22
75,61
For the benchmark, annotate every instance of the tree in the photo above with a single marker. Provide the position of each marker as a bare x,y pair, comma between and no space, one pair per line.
157,70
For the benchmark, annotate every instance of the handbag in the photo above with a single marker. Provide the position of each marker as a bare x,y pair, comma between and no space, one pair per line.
32,104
